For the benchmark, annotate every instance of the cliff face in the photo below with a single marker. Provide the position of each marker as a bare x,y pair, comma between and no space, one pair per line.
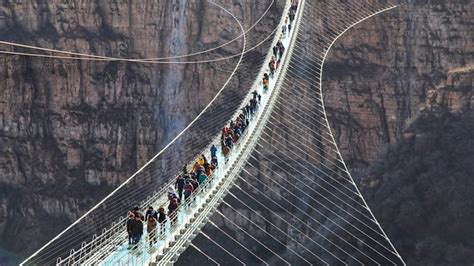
70,131
421,190
399,92
385,71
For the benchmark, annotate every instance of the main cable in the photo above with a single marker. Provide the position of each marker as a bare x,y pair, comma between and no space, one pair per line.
145,59
86,57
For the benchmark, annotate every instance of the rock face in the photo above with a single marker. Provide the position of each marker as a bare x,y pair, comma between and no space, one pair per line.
421,190
384,71
72,130
399,92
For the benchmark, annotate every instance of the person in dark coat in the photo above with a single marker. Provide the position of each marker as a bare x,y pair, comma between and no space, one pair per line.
137,230
282,50
253,106
162,219
185,169
228,141
130,222
255,93
173,211
180,186
292,15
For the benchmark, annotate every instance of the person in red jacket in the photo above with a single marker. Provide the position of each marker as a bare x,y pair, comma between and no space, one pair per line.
188,190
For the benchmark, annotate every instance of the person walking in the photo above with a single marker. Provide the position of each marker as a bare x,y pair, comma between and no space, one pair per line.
272,66
283,30
255,93
185,169
188,191
195,184
162,219
137,230
282,50
213,151
214,162
201,178
279,44
207,168
130,222
228,140
265,82
180,186
253,105
294,5
151,229
292,15
244,111
173,211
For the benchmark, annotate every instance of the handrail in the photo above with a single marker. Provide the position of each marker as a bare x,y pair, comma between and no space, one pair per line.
181,206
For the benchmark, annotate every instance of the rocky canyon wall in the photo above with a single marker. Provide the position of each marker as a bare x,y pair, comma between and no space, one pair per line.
399,93
385,71
72,130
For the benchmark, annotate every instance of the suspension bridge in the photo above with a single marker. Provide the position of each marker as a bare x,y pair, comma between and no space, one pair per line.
283,195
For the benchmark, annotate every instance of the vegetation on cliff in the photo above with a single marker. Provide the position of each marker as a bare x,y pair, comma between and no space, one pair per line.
420,189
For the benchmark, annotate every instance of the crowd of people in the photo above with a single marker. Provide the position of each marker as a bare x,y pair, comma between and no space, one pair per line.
184,186
275,61
190,180
291,16
231,134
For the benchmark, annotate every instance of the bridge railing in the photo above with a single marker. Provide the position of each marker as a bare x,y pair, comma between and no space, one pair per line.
105,243
140,258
